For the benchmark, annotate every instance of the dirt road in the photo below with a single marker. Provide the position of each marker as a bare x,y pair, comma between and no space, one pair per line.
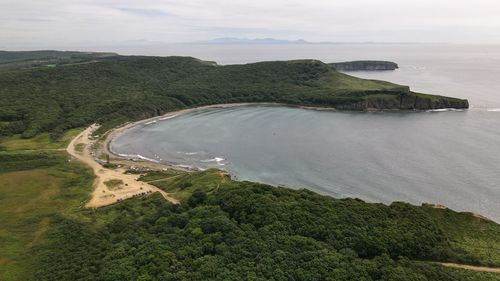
471,267
102,194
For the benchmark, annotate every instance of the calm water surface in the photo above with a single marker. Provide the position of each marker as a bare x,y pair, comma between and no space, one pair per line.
451,158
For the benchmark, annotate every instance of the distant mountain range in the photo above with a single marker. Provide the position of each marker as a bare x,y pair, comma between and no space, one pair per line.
233,40
273,41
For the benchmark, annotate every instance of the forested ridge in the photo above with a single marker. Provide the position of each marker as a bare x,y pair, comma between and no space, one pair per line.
115,89
249,231
46,58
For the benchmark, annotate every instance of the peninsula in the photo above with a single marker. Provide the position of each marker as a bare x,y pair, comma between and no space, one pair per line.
111,89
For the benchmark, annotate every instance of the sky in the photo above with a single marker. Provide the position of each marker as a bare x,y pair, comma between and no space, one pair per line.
66,23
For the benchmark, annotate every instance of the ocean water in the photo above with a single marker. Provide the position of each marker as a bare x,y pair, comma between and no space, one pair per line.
450,158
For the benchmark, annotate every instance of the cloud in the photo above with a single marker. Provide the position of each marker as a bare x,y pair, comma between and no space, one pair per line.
63,22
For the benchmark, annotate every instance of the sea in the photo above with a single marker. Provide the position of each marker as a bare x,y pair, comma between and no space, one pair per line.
449,157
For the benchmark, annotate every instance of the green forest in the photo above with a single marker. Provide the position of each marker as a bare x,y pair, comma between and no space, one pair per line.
249,231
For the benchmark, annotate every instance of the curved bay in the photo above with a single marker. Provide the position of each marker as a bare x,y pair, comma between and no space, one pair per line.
436,157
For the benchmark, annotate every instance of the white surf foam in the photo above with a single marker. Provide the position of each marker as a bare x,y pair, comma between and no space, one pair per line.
137,156
146,158
187,153
216,159
125,155
168,117
444,110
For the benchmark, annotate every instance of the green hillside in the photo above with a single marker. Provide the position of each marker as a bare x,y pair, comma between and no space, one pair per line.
230,230
112,90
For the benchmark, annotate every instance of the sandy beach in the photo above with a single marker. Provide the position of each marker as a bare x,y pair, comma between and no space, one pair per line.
85,148
125,185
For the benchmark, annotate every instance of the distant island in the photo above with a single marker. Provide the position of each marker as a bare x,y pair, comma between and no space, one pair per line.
364,65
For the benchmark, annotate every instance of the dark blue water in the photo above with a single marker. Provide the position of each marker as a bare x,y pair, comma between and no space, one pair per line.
450,158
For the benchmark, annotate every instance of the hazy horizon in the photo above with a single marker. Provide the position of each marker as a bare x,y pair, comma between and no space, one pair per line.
111,23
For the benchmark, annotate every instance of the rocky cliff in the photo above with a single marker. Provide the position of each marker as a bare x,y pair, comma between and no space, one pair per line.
363,65
404,101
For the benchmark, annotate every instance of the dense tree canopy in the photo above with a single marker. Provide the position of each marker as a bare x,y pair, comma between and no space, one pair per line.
248,231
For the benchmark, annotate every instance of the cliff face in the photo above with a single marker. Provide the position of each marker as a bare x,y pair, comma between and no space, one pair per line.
364,66
405,101
425,102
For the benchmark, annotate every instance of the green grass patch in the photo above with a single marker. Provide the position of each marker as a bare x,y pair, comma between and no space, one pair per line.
28,200
41,141
29,159
340,82
158,175
183,184
477,238
114,184
79,147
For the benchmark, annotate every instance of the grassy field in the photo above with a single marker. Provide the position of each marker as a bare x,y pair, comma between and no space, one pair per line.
29,199
183,184
471,234
40,142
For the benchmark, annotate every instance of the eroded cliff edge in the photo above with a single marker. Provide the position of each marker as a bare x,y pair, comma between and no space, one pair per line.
400,100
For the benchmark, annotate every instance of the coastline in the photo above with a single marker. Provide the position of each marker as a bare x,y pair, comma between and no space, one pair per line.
153,165
148,163
116,132
103,193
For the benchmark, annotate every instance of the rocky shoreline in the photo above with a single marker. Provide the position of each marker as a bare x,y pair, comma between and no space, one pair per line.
405,101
